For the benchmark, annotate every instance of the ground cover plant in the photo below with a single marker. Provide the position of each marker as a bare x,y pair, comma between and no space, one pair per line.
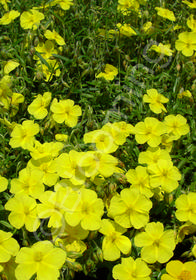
97,135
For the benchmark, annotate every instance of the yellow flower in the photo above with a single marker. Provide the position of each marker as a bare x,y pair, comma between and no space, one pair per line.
103,140
191,23
153,155
114,242
130,209
149,131
162,49
165,13
147,27
61,137
88,211
155,99
130,269
53,35
67,166
29,182
109,72
94,163
125,30
65,111
164,174
10,66
119,131
186,43
4,3
38,107
64,4
46,151
186,207
191,5
46,50
23,135
178,270
9,17
3,183
42,258
23,212
176,126
17,98
139,179
158,245
48,168
125,6
31,19
53,206
185,93
8,246
67,234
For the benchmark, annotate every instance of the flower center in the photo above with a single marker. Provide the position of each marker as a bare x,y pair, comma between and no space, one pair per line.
185,275
85,209
38,256
156,243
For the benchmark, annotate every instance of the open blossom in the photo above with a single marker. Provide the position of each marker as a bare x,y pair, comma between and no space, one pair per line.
64,4
176,126
149,131
139,179
38,108
23,212
126,30
165,13
9,17
87,211
8,246
130,208
95,162
29,182
178,270
65,111
186,207
42,258
31,19
114,242
23,135
126,6
152,155
164,174
103,140
155,100
186,43
53,35
130,269
46,50
109,73
158,245
162,49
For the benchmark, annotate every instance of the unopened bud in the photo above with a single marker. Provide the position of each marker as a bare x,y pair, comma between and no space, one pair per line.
178,67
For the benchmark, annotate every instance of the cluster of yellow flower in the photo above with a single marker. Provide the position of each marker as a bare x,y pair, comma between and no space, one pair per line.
61,186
